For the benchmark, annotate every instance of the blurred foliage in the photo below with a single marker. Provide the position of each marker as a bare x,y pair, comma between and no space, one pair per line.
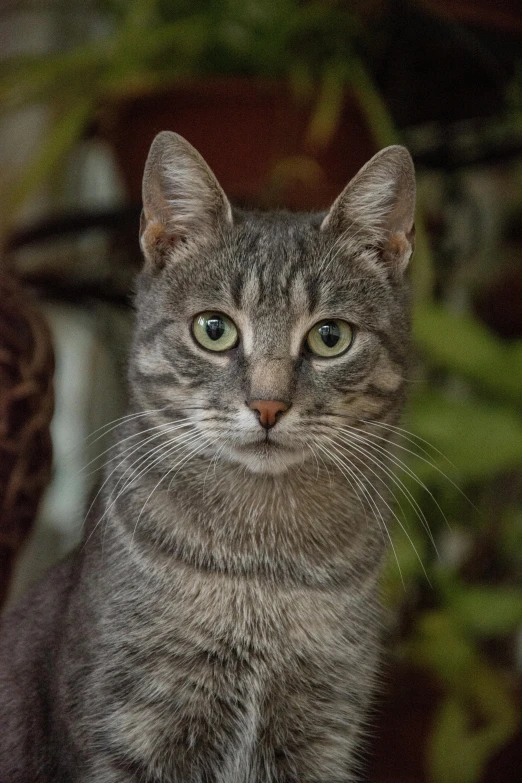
151,43
459,455
466,407
479,713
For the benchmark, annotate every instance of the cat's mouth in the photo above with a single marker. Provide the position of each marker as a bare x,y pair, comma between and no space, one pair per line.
267,455
265,446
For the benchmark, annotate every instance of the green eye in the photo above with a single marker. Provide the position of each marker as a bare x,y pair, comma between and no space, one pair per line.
329,338
214,331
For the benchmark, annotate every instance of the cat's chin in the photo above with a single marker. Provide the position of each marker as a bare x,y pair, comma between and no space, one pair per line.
267,458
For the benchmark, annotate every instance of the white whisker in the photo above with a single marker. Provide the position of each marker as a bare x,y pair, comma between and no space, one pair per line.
394,478
130,437
407,435
122,420
141,459
427,462
373,505
379,478
201,440
132,450
316,461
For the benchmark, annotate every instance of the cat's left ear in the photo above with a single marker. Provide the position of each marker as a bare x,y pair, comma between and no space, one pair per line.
182,200
376,209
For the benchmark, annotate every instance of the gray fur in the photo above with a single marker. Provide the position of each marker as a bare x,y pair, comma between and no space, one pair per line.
220,622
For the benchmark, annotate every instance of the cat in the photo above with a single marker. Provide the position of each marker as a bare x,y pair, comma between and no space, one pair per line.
221,621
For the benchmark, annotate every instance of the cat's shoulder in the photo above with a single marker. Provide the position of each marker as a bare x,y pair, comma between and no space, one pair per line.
36,613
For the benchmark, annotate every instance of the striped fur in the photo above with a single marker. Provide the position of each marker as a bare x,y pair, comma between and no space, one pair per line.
220,622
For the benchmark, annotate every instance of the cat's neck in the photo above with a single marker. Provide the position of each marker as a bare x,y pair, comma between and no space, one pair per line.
309,523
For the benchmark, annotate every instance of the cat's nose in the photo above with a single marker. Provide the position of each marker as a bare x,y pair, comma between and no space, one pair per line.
268,411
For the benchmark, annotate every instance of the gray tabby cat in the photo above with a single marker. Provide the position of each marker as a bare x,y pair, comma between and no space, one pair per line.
220,622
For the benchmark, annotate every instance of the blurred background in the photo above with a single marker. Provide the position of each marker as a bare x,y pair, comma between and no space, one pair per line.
286,99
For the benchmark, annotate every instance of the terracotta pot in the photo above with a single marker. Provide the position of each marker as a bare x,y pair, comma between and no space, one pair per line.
252,134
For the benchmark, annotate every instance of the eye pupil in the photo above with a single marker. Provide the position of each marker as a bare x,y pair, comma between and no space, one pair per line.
330,333
214,331
329,339
215,328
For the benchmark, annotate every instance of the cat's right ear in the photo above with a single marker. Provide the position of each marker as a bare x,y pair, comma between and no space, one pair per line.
183,203
376,209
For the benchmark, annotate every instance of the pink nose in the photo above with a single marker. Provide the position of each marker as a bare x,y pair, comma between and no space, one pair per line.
267,411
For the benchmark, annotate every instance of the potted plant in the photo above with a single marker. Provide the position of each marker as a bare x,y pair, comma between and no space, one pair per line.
291,107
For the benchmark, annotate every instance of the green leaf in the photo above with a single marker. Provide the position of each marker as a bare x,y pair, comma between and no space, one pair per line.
481,439
65,133
33,79
325,118
373,105
488,611
462,345
453,754
479,714
457,751
405,562
422,265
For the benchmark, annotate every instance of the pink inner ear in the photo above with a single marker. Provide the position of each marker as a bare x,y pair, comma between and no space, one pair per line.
398,249
156,241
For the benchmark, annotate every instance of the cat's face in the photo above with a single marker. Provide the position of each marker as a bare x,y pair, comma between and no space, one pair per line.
269,332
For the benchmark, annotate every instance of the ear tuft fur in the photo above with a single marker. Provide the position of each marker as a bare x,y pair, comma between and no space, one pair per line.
377,207
182,200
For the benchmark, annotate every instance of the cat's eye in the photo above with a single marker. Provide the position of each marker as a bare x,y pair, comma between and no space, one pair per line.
330,338
215,331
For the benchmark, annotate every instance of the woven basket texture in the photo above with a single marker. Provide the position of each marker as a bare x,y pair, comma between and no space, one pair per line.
26,409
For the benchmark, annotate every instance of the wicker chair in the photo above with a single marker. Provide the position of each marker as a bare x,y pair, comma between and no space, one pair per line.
26,408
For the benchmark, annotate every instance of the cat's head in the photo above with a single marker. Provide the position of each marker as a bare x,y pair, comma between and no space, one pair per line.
269,332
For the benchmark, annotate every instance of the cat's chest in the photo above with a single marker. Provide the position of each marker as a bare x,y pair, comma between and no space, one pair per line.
246,618
214,656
